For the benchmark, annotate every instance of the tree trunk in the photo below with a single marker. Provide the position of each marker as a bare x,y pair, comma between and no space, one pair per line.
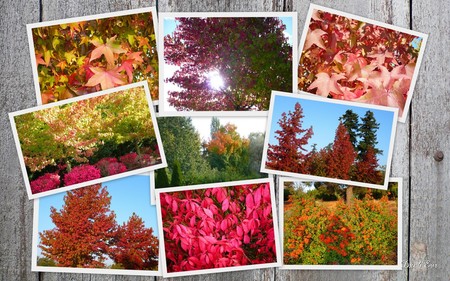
349,195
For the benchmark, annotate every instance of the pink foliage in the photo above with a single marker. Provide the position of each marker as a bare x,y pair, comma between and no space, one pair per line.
116,168
218,227
134,161
80,174
105,166
45,182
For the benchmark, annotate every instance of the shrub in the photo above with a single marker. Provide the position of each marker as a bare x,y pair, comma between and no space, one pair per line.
218,227
104,164
116,168
80,174
45,182
134,161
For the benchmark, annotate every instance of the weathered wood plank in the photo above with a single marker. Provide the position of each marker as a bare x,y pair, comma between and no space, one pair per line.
392,12
17,93
430,195
53,10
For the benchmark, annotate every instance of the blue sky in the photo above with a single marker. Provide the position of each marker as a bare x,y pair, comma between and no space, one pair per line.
128,195
324,118
170,25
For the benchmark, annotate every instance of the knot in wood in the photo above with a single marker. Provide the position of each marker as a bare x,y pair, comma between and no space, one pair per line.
438,156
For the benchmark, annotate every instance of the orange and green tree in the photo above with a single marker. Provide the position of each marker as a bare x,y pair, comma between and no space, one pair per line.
83,57
74,132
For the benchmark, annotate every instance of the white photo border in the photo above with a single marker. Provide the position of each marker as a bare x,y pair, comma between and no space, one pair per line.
31,26
37,268
102,179
303,96
398,266
163,112
223,269
424,37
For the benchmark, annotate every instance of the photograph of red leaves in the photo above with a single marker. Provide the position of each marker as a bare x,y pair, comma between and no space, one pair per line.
90,140
351,58
79,56
219,228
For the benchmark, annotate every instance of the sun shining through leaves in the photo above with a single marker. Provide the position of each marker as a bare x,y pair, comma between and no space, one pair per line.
215,80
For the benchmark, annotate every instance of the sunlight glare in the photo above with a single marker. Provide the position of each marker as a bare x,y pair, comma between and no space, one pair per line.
215,80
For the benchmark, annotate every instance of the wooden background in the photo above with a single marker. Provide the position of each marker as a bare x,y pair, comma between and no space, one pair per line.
420,144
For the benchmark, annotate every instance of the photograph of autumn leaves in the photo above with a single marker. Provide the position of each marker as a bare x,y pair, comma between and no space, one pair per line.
160,141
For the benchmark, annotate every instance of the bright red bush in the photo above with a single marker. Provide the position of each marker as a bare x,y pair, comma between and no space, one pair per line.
218,227
45,182
116,168
80,174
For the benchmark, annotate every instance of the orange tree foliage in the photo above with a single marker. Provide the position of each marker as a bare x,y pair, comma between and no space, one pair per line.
342,155
289,154
364,233
83,229
75,131
348,59
86,234
134,246
227,149
83,57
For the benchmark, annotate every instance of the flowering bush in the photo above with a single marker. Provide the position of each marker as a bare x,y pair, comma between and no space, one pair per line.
364,233
45,182
81,173
218,227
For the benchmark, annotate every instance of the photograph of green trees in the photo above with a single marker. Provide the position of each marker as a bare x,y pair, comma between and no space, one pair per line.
203,150
325,227
82,142
215,62
328,140
103,228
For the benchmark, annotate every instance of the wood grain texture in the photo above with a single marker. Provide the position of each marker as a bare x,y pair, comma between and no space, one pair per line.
430,131
425,222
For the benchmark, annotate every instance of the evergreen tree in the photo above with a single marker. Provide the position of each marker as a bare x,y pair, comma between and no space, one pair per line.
162,180
289,154
367,168
176,174
215,126
368,134
351,122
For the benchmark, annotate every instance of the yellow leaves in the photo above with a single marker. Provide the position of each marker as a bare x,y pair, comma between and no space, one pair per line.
70,56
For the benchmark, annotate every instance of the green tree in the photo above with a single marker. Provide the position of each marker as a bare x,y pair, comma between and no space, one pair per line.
162,180
255,151
182,142
368,134
351,122
176,174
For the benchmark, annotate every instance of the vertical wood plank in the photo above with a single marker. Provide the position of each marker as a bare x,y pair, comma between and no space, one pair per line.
54,10
16,92
224,6
430,195
392,12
